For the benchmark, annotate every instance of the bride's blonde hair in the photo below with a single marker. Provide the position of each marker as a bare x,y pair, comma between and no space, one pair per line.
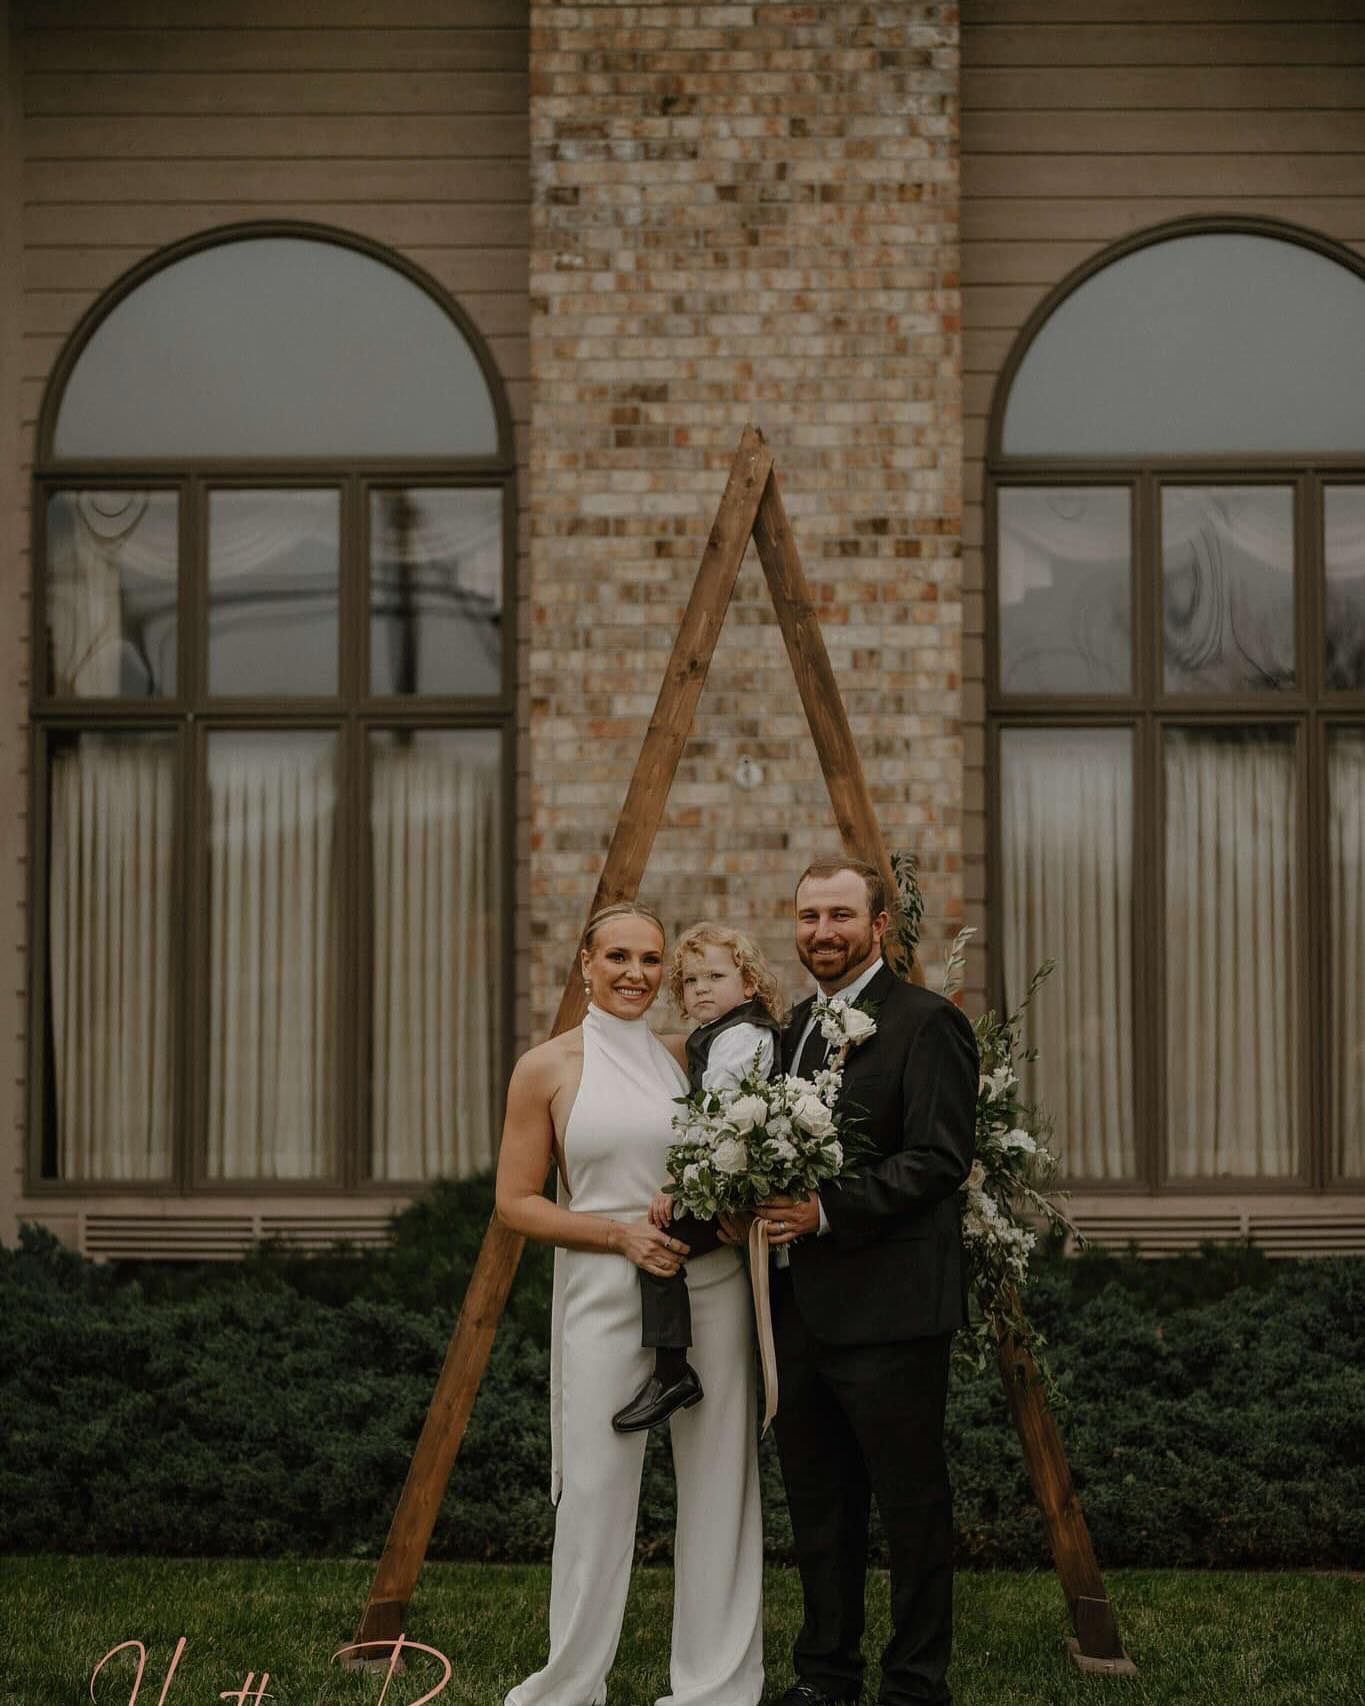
748,956
618,909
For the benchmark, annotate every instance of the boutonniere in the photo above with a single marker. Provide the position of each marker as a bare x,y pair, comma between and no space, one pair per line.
844,1026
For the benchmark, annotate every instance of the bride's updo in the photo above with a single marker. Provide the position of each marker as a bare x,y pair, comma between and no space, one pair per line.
619,909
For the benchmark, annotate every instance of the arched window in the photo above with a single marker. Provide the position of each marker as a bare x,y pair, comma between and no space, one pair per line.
1176,702
272,708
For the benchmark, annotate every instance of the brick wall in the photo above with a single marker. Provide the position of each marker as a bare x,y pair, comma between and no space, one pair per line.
741,212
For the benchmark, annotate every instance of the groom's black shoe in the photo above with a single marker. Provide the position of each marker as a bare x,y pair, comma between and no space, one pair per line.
656,1401
810,1694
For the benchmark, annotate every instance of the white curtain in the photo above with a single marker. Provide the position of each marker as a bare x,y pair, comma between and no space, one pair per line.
1231,956
1067,852
272,956
111,571
437,962
112,831
1346,841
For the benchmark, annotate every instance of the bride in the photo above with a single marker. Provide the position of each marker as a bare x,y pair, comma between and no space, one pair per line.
598,1100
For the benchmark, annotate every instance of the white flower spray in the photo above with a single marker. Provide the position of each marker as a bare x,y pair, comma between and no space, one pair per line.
1004,1197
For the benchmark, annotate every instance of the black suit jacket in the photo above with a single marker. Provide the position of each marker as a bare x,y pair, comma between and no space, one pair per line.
891,1265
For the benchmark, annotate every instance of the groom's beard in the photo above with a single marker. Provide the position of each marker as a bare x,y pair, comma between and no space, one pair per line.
831,968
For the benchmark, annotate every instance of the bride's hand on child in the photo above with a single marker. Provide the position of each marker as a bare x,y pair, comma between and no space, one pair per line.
653,1249
661,1210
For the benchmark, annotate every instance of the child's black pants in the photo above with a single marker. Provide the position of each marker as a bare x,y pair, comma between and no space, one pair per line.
665,1307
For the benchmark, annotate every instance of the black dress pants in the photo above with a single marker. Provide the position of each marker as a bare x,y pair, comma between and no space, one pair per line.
854,1422
665,1307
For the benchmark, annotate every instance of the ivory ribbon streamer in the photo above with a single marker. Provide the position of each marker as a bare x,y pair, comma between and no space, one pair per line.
758,1275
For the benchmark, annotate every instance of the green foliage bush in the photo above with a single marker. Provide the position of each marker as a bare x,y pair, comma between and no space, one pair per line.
270,1407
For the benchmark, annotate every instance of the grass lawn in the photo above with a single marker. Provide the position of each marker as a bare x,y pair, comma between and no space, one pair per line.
1291,1639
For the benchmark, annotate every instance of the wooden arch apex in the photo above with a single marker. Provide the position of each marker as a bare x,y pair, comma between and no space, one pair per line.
750,507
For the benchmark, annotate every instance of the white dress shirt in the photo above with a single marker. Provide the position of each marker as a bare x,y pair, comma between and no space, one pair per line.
849,994
731,1057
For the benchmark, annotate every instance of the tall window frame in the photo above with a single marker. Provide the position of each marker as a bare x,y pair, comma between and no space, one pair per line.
189,716
1311,711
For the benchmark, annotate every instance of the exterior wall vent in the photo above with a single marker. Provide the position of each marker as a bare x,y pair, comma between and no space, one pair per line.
217,1238
1300,1235
1275,1232
154,1237
1159,1234
312,1233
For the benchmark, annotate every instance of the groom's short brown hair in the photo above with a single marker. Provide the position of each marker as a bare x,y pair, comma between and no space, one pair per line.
833,863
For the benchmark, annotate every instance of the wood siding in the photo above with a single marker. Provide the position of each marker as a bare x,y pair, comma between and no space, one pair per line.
1084,121
136,123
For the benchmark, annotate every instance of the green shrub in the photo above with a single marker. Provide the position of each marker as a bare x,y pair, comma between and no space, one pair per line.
270,1407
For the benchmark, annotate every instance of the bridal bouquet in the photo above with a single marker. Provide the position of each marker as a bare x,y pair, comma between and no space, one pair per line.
768,1137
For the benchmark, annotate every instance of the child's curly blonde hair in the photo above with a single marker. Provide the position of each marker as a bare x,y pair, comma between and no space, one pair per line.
748,957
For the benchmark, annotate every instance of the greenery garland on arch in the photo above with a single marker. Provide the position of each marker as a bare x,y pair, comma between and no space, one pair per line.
1006,1202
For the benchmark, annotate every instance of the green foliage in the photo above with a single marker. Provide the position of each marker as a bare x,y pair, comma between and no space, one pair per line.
910,901
270,1407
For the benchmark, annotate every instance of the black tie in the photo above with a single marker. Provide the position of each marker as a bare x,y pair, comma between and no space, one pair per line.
814,1054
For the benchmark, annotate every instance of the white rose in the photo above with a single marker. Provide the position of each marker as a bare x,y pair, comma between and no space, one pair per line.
779,1126
985,1205
745,1112
858,1025
834,1153
1018,1139
691,1173
811,1114
731,1156
976,1178
830,1017
782,1149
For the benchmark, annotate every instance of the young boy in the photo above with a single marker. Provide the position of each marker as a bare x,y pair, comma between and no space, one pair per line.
721,981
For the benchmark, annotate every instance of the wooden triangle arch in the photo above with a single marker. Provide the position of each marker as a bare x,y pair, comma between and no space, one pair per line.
751,506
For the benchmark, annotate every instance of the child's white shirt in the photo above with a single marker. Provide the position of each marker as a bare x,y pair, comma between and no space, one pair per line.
731,1056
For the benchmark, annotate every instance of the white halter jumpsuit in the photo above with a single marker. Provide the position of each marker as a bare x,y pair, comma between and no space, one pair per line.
614,1145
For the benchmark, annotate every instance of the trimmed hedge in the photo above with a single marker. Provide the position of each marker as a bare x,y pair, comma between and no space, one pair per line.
270,1407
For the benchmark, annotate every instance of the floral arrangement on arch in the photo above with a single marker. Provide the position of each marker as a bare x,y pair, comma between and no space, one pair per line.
1005,1200
769,1137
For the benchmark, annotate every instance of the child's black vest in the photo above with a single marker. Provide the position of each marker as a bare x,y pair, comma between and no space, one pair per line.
751,1012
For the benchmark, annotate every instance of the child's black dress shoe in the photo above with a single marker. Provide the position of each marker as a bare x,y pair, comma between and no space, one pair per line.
655,1402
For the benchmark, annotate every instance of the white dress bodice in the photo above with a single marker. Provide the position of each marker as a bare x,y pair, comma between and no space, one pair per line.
621,1123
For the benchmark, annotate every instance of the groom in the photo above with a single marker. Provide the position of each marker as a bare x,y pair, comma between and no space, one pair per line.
869,1283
